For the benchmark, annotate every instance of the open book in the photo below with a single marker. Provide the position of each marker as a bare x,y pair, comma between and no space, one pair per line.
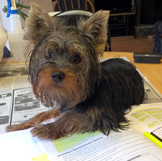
146,119
128,145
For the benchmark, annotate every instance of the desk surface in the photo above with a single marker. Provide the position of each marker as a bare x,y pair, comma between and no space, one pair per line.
152,71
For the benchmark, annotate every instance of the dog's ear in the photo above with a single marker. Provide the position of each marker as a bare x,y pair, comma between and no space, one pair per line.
37,22
96,27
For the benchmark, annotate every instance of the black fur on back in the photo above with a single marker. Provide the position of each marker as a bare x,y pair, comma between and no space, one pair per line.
121,86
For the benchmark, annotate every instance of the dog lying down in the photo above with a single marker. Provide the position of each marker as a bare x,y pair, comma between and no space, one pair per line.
85,95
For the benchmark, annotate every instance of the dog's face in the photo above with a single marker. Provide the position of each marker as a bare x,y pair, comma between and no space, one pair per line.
64,65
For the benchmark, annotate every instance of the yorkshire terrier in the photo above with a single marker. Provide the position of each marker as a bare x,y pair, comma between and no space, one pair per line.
66,74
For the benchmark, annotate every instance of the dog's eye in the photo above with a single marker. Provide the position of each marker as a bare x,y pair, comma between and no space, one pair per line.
77,59
48,55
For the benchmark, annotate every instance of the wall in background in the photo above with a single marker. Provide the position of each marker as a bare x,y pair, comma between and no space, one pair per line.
151,11
45,4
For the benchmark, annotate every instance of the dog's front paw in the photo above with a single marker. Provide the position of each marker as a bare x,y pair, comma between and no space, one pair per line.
13,128
47,132
20,126
41,131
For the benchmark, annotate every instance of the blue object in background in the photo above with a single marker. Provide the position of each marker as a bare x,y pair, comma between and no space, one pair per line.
6,53
158,37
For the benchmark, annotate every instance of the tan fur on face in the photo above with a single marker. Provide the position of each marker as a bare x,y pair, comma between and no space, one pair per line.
69,89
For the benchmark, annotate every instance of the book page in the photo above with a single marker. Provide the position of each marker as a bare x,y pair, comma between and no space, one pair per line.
118,146
147,117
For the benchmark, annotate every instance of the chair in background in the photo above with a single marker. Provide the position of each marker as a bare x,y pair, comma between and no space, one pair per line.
65,5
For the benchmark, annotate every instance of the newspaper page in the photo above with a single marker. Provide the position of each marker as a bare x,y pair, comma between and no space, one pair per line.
152,95
25,105
18,103
17,100
5,107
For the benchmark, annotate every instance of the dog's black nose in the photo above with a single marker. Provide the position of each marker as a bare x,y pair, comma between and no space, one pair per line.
57,76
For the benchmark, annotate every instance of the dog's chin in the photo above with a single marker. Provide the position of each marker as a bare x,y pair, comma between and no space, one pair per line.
56,94
68,92
52,104
58,99
57,86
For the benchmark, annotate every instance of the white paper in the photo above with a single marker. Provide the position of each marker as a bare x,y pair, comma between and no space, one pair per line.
18,146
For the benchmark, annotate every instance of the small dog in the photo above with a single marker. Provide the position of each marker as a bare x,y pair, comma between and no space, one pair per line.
65,72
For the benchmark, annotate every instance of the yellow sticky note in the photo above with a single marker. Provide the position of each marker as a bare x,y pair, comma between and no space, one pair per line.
42,157
153,139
